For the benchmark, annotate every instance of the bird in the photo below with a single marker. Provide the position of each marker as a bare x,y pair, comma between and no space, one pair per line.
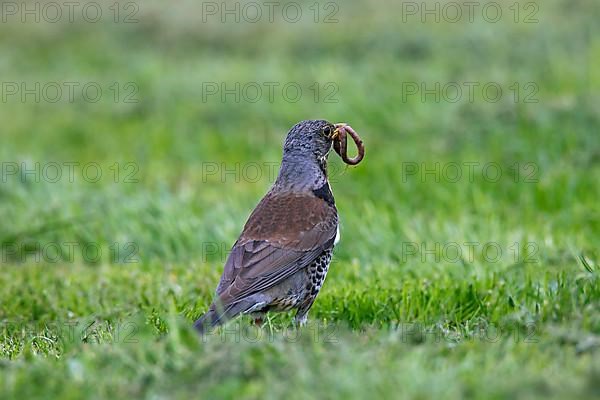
281,258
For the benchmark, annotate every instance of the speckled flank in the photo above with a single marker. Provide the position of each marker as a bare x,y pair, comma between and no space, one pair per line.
301,290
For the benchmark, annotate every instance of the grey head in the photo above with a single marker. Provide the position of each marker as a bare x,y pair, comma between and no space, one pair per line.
305,151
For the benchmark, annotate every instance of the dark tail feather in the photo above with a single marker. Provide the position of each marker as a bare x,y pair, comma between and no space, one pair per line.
214,317
207,321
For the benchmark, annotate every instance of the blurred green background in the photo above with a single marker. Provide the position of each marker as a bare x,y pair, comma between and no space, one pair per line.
182,166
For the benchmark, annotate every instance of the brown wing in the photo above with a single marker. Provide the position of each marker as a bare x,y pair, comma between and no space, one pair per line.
285,233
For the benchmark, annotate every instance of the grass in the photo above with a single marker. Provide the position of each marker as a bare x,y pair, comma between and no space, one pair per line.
101,281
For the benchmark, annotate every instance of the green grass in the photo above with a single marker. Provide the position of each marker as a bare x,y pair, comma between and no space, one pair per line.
390,322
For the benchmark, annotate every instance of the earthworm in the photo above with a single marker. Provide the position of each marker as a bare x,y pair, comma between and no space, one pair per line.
340,144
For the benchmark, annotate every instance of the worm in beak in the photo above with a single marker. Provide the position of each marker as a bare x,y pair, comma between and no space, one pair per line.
340,144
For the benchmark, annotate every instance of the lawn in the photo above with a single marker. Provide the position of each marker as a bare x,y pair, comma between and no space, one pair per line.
134,145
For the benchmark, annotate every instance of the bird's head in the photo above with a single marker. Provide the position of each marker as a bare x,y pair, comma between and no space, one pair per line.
310,140
307,145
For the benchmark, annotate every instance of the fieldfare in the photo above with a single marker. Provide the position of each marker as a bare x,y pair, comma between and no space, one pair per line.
282,256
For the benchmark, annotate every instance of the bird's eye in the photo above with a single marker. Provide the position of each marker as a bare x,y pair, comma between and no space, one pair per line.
327,131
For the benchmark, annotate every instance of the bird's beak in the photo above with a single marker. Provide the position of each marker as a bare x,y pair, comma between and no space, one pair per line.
338,128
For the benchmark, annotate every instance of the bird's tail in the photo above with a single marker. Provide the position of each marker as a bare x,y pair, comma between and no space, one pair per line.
207,321
217,315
